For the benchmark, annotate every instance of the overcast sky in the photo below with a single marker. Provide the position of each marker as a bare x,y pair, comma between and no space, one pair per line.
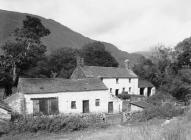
131,25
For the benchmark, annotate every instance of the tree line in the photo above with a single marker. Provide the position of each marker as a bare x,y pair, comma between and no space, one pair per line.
24,55
169,69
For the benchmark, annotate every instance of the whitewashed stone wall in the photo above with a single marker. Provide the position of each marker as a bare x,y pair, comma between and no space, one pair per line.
122,83
65,98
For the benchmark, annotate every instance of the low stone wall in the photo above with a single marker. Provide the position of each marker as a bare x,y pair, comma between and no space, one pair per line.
130,116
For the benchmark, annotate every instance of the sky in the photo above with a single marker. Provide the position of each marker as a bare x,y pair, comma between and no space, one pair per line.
131,25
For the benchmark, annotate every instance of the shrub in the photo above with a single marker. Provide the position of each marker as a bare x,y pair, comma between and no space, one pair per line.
48,123
124,96
160,97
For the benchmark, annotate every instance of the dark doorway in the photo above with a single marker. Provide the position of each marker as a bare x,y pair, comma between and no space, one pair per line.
116,92
141,91
86,106
110,107
149,91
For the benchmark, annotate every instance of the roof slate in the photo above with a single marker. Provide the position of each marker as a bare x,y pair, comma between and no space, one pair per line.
107,72
54,85
141,104
144,83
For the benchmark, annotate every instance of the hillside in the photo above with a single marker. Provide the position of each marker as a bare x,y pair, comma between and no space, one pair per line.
61,36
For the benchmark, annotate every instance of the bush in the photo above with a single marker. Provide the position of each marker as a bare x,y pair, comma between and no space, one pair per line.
124,96
160,97
48,123
55,123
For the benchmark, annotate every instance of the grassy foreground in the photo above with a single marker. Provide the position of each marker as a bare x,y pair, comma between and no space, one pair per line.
177,129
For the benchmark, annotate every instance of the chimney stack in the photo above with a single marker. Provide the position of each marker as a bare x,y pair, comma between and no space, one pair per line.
127,65
80,61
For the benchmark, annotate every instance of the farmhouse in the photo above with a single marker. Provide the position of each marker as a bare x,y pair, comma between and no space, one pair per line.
57,95
117,80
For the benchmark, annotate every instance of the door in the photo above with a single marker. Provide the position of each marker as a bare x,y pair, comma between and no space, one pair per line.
86,106
110,107
149,91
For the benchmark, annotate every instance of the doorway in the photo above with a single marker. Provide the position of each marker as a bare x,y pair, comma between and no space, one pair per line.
149,91
86,106
110,107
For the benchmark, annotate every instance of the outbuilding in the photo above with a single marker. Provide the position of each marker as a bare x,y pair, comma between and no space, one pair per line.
58,95
139,106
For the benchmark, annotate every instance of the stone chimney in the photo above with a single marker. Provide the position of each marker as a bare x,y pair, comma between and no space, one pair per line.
80,61
127,64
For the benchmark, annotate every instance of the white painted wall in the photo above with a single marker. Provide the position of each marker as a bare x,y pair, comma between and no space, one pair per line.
122,83
65,98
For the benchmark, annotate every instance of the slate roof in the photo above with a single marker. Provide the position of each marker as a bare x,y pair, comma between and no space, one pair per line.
141,104
54,85
144,83
107,72
5,106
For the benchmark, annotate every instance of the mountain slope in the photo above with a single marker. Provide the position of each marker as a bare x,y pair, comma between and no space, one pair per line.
61,36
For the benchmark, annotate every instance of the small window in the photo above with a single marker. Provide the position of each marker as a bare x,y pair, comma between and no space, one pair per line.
117,80
129,80
123,89
73,105
97,102
110,90
129,89
116,92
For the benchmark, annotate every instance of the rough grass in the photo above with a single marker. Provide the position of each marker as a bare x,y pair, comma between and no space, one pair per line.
178,128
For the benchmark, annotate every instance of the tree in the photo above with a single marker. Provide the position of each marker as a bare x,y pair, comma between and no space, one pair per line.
94,54
26,48
63,62
183,51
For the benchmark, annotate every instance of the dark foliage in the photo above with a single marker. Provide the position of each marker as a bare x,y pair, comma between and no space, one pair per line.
95,54
124,96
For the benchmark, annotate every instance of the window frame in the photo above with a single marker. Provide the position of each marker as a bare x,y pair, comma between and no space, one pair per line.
97,102
73,105
130,89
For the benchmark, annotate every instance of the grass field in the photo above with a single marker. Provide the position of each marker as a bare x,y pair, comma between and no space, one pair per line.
177,129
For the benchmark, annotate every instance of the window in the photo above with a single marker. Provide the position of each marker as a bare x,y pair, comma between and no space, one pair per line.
97,102
45,106
117,80
123,89
110,90
129,89
129,80
116,92
73,104
101,79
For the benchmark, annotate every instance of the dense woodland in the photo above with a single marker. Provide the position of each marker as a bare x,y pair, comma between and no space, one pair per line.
24,55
